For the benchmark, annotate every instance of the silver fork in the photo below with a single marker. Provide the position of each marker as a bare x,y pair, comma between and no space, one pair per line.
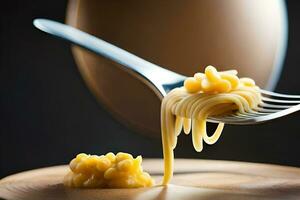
274,105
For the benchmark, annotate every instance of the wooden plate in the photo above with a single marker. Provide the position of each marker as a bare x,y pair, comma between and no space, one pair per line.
193,179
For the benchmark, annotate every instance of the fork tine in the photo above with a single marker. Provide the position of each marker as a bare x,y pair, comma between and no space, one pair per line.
267,105
239,117
253,114
265,110
246,116
243,120
242,115
230,119
280,101
274,94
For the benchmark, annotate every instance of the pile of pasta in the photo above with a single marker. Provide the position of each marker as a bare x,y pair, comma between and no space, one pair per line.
107,171
211,93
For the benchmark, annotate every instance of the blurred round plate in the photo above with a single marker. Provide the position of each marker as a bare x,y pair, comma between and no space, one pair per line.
183,36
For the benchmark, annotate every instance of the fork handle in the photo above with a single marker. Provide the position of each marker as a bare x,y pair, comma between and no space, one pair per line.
149,73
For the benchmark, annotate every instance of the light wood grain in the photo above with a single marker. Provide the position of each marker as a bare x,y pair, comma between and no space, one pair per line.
193,179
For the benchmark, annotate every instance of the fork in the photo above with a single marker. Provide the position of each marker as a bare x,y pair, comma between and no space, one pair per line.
161,80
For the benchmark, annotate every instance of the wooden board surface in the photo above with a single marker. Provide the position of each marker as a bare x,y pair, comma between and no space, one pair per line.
193,179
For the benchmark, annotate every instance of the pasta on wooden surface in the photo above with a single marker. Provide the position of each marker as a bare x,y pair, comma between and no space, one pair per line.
107,171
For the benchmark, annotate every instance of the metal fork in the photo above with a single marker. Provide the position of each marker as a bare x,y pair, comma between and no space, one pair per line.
274,105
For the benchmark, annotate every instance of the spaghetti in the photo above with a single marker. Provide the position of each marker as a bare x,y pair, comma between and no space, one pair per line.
206,94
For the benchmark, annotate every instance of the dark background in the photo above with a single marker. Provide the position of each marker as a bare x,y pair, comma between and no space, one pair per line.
47,115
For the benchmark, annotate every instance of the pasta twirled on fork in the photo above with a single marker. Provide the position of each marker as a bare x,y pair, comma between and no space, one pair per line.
206,94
